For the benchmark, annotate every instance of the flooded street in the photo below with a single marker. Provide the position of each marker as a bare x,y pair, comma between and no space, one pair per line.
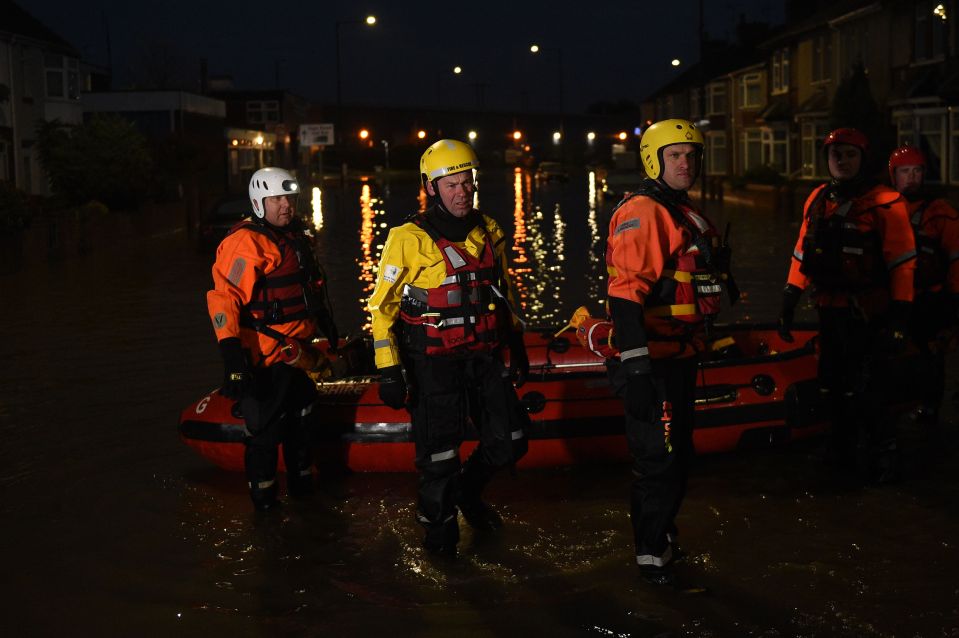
113,527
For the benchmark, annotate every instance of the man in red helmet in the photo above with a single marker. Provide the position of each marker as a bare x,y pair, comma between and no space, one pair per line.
935,226
856,248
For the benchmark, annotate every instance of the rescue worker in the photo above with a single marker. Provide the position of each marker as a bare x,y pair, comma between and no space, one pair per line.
268,300
666,275
935,226
442,310
856,249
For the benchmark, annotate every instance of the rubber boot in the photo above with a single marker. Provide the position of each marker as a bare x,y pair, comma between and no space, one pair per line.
300,484
441,539
263,496
478,514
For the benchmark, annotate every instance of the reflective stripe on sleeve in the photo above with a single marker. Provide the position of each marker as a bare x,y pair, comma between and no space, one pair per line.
516,435
381,343
263,484
442,456
901,259
629,224
797,255
635,352
611,271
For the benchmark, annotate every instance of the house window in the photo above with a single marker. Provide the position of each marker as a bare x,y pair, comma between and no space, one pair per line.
247,159
822,58
262,111
695,111
752,149
63,77
780,71
954,147
929,31
812,135
750,91
716,99
716,149
775,142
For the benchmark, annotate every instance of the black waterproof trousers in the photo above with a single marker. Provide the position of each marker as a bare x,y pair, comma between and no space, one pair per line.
660,442
932,313
851,364
276,414
444,393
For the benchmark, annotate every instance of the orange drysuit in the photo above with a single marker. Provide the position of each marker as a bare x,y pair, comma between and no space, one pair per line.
244,260
656,258
936,227
869,252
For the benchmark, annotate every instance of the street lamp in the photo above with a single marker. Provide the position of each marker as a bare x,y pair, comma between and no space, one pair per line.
534,49
456,70
369,21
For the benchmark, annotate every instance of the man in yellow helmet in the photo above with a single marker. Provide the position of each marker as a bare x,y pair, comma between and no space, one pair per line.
442,310
667,271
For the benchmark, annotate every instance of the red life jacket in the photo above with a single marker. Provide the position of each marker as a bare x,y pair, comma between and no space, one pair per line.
466,312
291,291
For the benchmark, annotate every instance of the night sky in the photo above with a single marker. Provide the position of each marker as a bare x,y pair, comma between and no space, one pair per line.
613,50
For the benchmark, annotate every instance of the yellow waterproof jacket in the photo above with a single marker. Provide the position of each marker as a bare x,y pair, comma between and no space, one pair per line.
410,256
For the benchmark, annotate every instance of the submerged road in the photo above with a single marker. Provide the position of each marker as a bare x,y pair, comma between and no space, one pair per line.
112,527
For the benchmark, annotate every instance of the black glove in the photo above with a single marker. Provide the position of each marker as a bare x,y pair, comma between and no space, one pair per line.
640,391
518,360
393,387
897,322
791,295
237,379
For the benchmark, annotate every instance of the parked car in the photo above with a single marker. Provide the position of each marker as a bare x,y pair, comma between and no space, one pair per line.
223,216
548,171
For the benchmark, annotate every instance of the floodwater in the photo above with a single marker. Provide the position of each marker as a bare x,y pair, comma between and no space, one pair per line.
111,527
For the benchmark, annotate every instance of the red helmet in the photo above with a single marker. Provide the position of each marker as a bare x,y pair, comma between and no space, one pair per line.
851,136
905,156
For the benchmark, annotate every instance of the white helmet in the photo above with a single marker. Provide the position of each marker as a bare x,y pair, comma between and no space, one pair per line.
270,182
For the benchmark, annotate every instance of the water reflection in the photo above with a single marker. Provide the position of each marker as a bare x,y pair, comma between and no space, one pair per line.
595,271
317,203
372,228
544,290
519,268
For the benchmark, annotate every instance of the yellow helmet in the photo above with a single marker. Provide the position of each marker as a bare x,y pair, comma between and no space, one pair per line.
447,157
662,134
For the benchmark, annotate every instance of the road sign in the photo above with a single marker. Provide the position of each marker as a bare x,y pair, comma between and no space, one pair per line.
316,134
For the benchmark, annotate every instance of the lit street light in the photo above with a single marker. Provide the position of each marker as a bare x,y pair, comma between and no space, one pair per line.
456,70
369,21
675,62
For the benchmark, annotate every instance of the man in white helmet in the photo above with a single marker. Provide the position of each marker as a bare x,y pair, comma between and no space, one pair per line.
268,301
